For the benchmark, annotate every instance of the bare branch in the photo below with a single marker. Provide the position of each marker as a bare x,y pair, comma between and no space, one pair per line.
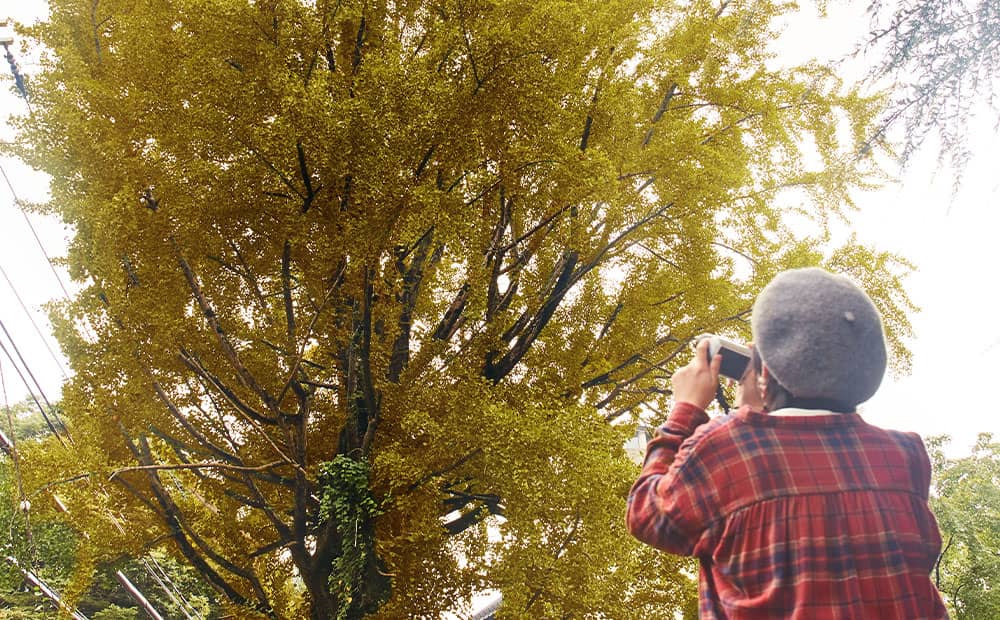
196,466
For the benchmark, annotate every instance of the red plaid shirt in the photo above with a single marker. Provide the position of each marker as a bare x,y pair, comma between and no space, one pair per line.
812,518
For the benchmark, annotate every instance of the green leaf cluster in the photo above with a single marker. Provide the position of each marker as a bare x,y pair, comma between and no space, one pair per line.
347,500
966,501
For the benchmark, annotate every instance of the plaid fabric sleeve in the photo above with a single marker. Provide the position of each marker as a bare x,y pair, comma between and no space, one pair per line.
668,506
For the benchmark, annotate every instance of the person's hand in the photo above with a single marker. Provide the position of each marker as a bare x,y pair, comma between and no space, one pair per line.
696,382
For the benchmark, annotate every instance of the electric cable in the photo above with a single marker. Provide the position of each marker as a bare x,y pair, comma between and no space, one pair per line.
23,505
38,241
32,394
34,324
41,392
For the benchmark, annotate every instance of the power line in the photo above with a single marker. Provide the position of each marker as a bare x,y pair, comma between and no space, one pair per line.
32,393
6,39
38,241
41,392
31,318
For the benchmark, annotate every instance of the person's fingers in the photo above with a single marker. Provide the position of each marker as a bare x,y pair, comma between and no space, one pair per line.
701,353
716,365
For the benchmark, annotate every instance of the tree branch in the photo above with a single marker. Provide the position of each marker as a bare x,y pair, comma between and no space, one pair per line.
412,279
197,466
306,179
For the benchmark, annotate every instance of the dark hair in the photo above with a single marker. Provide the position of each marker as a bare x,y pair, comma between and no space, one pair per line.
777,397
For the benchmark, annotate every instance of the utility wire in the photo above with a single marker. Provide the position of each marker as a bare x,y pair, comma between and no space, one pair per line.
23,505
41,392
32,394
31,318
38,241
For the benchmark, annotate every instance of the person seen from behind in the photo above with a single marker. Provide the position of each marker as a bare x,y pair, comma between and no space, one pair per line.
795,507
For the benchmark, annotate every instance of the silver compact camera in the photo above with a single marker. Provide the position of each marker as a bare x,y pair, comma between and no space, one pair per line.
735,356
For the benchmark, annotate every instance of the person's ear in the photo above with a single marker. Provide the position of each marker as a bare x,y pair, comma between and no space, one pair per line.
762,380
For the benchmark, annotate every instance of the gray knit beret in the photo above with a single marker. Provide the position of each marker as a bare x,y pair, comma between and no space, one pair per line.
820,335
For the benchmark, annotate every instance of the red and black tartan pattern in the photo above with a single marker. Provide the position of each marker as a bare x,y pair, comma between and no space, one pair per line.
809,517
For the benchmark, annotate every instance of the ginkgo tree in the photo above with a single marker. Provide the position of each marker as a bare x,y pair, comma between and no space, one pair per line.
367,286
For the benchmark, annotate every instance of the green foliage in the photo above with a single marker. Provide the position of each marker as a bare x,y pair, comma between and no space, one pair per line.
47,544
114,612
966,502
347,501
28,422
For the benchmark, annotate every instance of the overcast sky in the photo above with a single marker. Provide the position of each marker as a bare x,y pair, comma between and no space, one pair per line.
950,237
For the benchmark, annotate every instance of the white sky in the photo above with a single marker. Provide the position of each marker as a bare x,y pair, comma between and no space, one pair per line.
949,236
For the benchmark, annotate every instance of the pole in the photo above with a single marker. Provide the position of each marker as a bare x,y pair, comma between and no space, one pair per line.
137,595
47,591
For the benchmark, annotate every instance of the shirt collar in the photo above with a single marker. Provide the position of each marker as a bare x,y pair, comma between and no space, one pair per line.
793,411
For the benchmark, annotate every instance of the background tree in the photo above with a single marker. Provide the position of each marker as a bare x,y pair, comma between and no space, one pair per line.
350,266
944,57
966,502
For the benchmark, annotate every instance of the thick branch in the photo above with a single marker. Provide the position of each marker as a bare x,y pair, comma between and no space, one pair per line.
563,271
450,322
170,514
196,366
306,178
412,278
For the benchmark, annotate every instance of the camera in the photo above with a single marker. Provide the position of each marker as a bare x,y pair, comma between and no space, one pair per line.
735,356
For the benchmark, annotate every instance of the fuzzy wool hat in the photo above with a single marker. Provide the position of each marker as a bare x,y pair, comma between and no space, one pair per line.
820,336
